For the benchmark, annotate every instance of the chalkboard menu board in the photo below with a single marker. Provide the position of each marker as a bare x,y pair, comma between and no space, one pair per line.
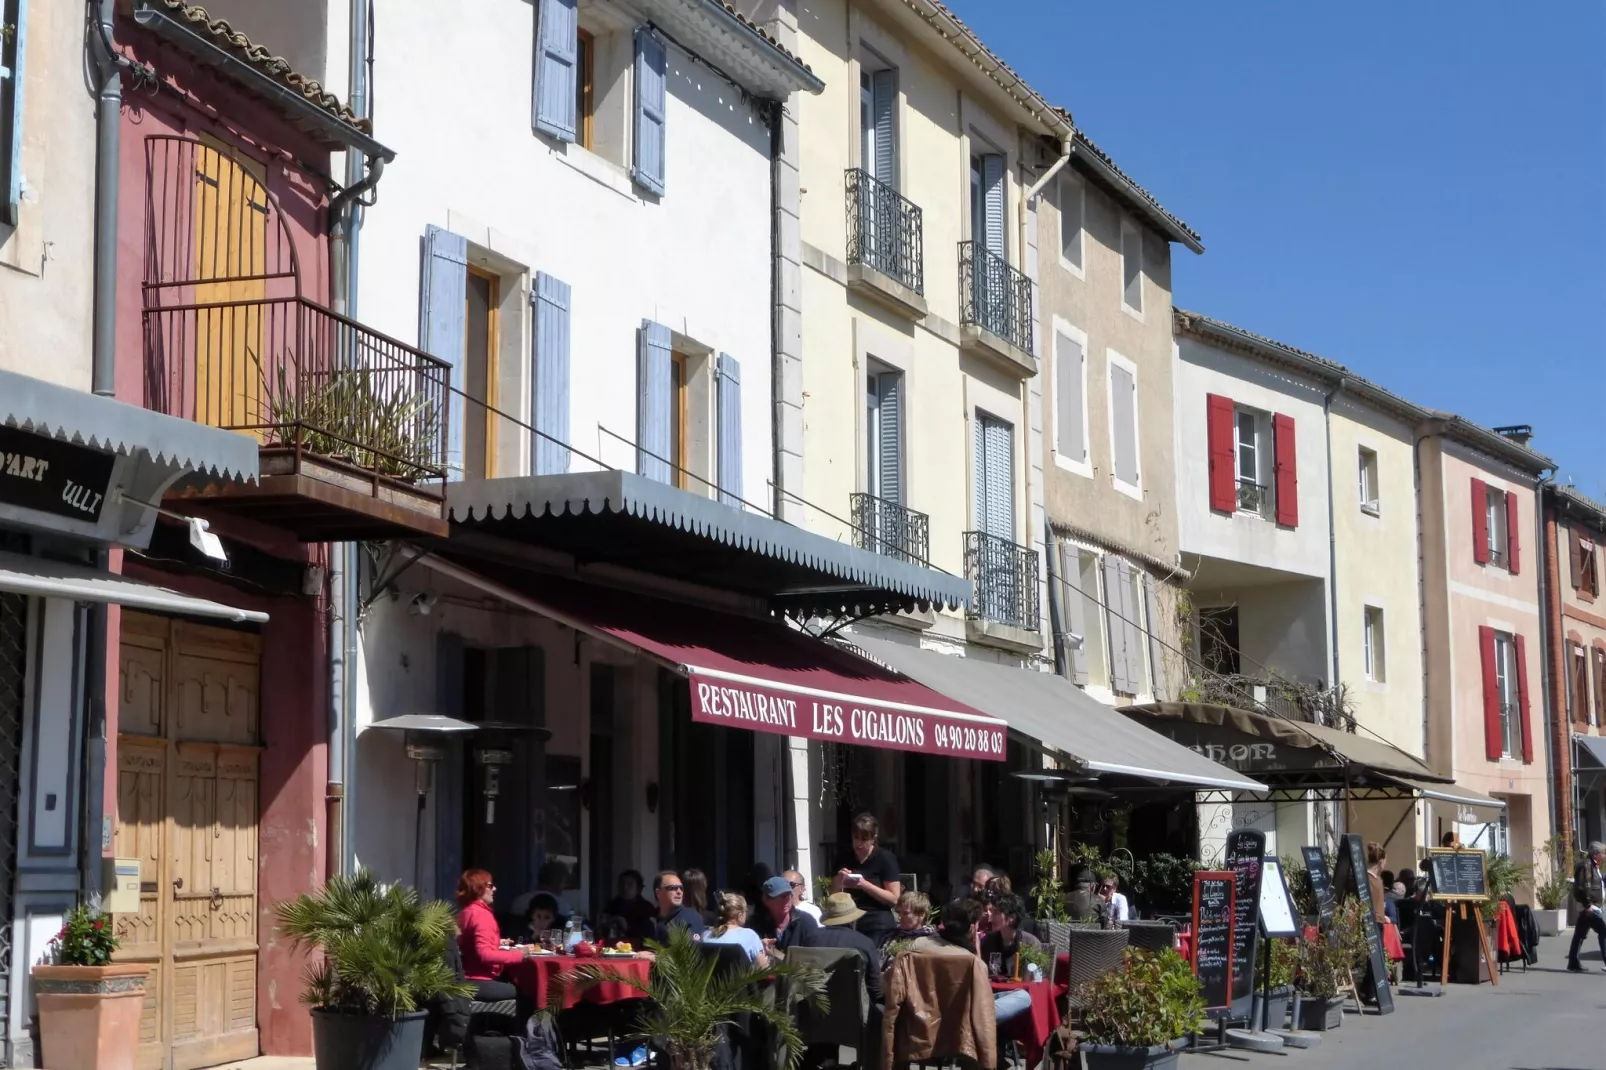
1321,882
1350,878
1214,905
1245,849
1458,874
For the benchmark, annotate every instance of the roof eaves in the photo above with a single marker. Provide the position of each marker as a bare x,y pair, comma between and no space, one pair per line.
1460,429
1573,503
802,72
1135,195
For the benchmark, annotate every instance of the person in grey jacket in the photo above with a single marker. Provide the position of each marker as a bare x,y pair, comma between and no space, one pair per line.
1590,892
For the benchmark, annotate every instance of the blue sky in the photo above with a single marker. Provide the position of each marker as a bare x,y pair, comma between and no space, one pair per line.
1416,190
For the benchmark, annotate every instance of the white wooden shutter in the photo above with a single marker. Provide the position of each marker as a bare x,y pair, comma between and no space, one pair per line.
1069,411
1151,621
883,107
889,436
650,95
1124,428
1076,618
1114,608
729,373
557,45
13,53
442,308
992,181
655,395
549,386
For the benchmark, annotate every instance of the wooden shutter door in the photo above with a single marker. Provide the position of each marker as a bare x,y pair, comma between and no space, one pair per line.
992,181
889,436
883,109
1286,467
1513,535
1494,746
1480,522
549,385
650,115
1000,480
1525,722
1223,468
729,477
1076,620
654,401
557,42
230,229
442,327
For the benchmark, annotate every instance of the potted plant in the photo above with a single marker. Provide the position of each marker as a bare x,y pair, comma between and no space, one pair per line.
383,958
1284,963
1551,893
692,1000
1136,1017
1327,960
89,1006
1048,893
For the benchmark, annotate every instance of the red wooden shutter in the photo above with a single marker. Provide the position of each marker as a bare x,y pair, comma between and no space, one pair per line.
1577,667
1480,522
1287,470
1223,471
1576,547
1513,540
1493,742
1522,703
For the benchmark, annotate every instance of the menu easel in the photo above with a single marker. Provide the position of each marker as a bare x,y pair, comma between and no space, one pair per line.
1461,877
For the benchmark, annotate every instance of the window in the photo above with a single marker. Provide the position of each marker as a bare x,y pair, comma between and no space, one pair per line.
1577,683
995,476
987,201
883,426
1599,657
1505,674
1372,642
1070,398
1494,512
1124,423
878,98
1586,577
585,72
1131,267
1368,478
479,372
1073,211
1218,640
679,382
1250,450
1124,609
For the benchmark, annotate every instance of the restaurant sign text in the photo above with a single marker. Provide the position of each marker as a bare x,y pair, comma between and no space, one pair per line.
52,476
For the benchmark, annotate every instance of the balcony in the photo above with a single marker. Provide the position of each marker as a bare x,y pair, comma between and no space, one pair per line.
890,529
886,258
995,310
350,424
1254,498
1003,591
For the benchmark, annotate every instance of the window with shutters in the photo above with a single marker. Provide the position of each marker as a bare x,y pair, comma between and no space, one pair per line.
1372,643
1073,214
1253,458
1577,683
1598,657
881,520
1125,613
995,476
1586,575
1505,675
585,69
679,377
1084,605
1368,481
1131,268
1495,528
584,89
1123,385
1070,399
481,342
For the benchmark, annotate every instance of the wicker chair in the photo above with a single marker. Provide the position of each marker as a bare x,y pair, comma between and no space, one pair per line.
1151,935
1094,953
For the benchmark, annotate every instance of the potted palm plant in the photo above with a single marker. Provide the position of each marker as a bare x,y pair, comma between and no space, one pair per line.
89,1006
383,957
693,1000
1138,1016
1328,960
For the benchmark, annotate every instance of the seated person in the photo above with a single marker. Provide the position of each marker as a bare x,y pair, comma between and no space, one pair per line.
542,915
629,906
1110,893
480,940
1005,938
914,916
779,922
956,935
672,908
836,930
731,928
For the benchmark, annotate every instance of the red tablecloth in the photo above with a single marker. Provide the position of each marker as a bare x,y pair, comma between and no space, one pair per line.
534,978
1032,1029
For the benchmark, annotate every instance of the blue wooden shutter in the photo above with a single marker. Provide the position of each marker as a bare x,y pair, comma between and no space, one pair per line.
992,182
889,435
12,54
883,106
557,45
729,373
650,78
549,383
654,401
441,310
1000,480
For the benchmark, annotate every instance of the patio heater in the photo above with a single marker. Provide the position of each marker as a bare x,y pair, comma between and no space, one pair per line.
426,745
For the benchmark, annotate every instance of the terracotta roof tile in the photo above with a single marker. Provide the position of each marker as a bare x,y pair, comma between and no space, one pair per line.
756,28
1147,197
225,36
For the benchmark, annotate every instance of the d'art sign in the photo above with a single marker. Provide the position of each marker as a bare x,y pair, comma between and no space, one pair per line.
837,718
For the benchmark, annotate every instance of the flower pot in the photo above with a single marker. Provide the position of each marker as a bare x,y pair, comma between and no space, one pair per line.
1276,1008
89,1015
344,1041
1318,1014
1111,1057
1551,922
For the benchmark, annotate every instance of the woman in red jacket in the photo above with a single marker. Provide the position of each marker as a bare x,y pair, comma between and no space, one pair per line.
480,939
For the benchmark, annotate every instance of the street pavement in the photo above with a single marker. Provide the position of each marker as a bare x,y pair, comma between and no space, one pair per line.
1545,1019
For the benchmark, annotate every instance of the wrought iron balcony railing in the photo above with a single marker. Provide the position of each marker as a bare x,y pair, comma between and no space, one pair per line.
1003,580
301,378
994,296
890,529
884,231
1253,497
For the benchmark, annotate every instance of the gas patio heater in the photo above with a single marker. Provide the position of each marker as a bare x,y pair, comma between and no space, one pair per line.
426,745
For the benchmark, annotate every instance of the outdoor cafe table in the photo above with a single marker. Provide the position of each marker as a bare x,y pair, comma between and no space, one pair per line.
1032,1029
534,977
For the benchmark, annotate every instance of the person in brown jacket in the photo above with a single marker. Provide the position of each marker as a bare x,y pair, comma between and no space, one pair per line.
1374,877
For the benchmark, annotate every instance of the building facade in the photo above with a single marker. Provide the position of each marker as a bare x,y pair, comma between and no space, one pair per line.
1574,527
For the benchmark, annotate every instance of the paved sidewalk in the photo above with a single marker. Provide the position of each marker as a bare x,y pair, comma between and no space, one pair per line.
1546,1019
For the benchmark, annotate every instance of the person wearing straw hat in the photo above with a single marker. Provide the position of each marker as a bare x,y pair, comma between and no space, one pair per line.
838,913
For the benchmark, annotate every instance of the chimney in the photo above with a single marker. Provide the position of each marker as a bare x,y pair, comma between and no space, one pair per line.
1521,434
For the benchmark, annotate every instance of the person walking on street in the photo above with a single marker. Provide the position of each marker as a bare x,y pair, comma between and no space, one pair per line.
1590,893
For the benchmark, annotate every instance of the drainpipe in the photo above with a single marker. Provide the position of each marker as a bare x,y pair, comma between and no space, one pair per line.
778,500
1550,644
108,117
1037,187
1332,533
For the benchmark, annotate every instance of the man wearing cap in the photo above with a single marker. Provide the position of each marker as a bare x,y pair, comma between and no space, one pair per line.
836,930
779,923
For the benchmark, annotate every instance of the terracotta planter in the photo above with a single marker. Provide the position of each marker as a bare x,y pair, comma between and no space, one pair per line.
89,1015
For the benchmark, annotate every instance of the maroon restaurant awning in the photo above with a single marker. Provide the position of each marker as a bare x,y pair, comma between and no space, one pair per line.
758,673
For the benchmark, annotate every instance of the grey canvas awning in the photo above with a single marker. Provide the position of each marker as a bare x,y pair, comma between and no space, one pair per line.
46,578
1060,715
1591,748
148,452
1451,793
629,521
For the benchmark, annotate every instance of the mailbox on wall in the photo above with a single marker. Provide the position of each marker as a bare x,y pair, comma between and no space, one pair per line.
120,885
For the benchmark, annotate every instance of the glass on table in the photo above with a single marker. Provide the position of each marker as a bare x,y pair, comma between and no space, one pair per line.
552,939
995,964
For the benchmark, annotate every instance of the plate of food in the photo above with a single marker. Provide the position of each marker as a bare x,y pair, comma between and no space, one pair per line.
623,951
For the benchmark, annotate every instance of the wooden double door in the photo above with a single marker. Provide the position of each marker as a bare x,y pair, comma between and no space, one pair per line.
187,762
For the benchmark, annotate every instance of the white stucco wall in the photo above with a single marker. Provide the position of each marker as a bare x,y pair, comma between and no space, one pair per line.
696,259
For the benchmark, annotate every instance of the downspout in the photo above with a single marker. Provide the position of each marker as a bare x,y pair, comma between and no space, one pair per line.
1555,742
1332,533
1037,187
108,117
777,454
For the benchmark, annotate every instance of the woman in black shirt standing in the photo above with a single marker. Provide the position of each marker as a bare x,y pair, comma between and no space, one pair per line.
870,875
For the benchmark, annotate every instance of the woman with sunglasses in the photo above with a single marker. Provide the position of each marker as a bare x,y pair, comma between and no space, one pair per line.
479,939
